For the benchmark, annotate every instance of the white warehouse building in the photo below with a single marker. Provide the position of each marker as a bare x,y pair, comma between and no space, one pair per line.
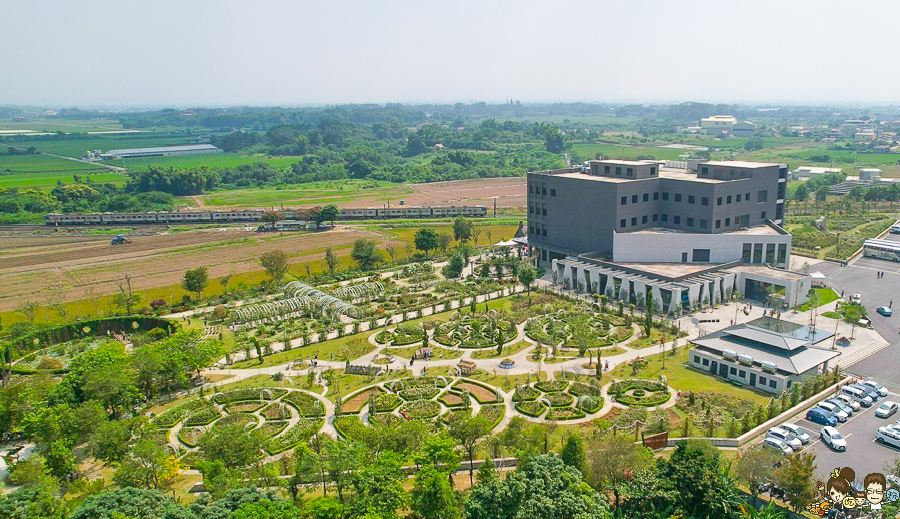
165,151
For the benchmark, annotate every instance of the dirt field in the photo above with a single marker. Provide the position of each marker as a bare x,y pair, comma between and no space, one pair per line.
69,268
481,394
510,192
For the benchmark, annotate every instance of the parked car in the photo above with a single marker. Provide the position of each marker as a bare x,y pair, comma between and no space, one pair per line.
856,298
886,409
878,388
785,436
888,435
833,438
885,311
868,391
841,405
797,431
834,410
821,416
857,394
775,443
853,404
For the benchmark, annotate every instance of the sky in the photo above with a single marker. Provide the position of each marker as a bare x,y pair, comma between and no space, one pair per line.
214,53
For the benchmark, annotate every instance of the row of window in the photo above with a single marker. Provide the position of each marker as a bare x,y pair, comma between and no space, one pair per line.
754,253
536,230
629,172
535,189
537,209
762,381
761,197
676,219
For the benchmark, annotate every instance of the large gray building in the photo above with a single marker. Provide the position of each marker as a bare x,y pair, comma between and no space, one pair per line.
714,215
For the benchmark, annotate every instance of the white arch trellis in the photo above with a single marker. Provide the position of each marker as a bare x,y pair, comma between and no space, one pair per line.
363,290
300,297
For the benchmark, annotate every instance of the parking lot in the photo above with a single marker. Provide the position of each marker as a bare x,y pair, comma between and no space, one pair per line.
862,454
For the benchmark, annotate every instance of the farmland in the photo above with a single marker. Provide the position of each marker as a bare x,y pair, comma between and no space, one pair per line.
43,172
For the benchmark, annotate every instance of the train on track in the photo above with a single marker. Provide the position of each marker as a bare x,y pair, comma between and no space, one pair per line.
255,215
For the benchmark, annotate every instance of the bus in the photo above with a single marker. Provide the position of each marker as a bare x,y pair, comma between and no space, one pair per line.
882,249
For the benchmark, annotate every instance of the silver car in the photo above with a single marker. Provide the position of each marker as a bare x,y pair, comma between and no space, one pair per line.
876,387
797,431
778,445
785,436
849,402
841,405
834,410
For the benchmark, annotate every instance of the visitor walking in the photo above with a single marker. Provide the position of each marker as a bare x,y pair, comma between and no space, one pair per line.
891,303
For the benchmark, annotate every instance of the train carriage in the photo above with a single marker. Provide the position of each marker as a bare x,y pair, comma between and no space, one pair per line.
129,217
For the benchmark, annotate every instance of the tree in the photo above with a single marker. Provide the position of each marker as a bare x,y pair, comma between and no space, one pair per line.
378,486
331,260
329,213
365,254
705,488
573,453
476,232
796,477
275,263
343,459
526,274
439,451
462,229
822,193
426,240
148,465
468,431
432,496
195,280
753,143
29,310
851,317
134,503
270,217
391,250
268,509
454,267
324,508
544,488
611,460
444,240
755,467
802,193
224,280
126,299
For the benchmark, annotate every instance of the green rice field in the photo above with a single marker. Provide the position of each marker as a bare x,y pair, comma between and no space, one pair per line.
43,171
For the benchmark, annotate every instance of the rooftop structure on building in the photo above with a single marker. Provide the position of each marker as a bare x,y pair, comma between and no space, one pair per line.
767,354
718,124
164,151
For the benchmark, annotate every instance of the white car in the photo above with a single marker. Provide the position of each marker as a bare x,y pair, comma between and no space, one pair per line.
832,437
888,435
834,410
856,298
797,431
876,387
841,405
785,436
886,409
775,443
849,402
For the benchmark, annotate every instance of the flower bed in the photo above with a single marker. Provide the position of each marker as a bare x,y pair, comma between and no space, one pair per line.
479,331
525,393
350,427
651,394
533,409
355,401
409,382
248,393
564,413
275,411
170,417
453,398
190,436
270,429
307,405
492,413
241,419
300,432
244,407
386,402
421,409
384,420
453,413
551,386
591,406
418,393
558,399
204,416
580,388
482,393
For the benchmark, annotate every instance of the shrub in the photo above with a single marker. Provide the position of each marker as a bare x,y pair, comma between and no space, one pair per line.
307,405
549,386
533,409
421,409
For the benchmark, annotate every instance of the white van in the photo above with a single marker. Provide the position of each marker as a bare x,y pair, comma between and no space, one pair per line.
888,435
857,396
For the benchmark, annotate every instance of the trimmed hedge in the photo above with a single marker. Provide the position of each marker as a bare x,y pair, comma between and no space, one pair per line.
493,390
386,402
422,409
418,393
552,386
300,432
580,388
591,410
66,332
306,405
442,399
559,399
525,394
658,393
532,409
204,416
248,394
565,413
493,413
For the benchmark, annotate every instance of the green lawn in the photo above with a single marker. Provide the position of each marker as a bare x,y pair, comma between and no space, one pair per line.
683,378
439,353
832,315
345,348
212,160
507,351
826,295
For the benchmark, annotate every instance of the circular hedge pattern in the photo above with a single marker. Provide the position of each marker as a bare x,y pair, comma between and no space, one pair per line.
653,393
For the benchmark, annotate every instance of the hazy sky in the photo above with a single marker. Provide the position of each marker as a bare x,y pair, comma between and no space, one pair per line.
258,52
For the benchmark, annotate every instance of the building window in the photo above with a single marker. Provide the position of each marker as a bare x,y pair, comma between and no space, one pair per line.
704,224
629,172
665,195
619,171
655,217
747,197
704,170
733,371
788,384
697,359
656,195
706,362
747,252
738,199
644,219
552,192
664,217
772,383
678,197
742,374
690,222
606,169
543,190
544,231
530,188
530,209
646,197
782,252
633,199
684,257
700,255
758,253
718,224
652,171
624,200
719,201
762,215
770,253
691,199
676,219
762,196
728,222
728,199
543,211
633,220
762,381
704,200
622,223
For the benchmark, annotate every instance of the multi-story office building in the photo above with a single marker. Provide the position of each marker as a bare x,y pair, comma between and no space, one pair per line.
702,216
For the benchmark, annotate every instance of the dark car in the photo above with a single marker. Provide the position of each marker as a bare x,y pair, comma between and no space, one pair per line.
821,416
